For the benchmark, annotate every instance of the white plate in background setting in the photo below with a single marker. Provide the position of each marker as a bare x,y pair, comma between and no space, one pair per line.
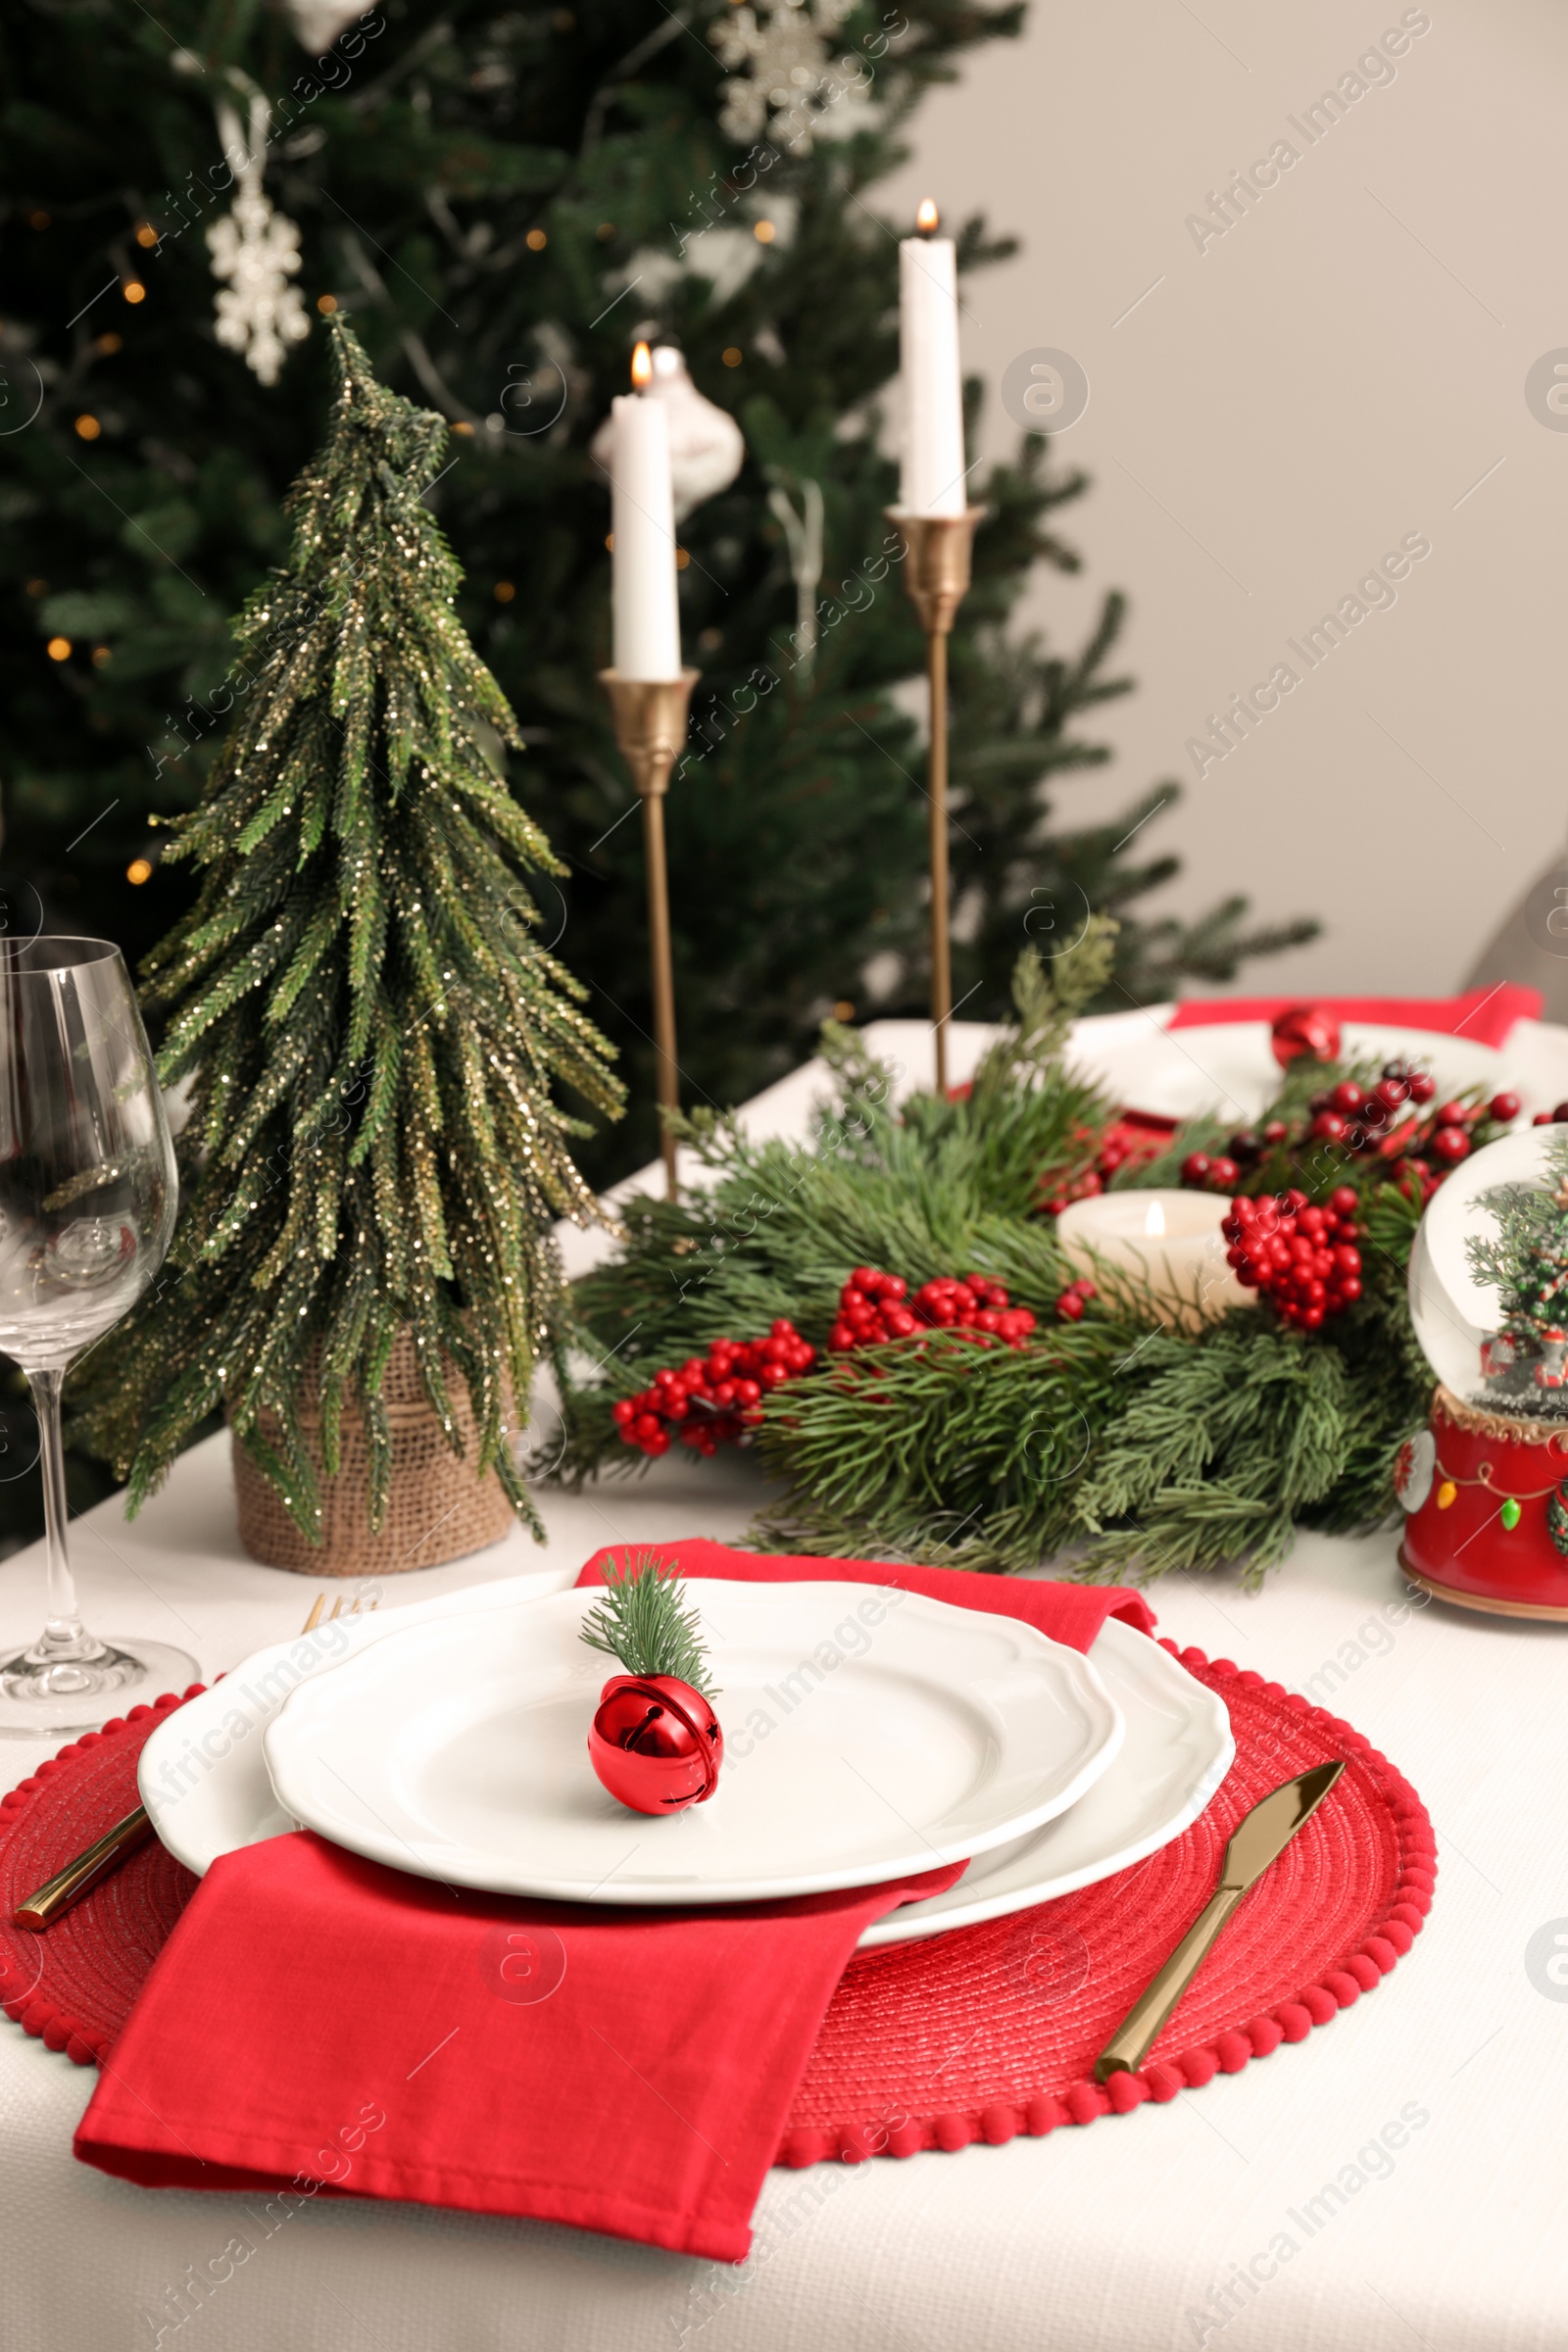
1227,1070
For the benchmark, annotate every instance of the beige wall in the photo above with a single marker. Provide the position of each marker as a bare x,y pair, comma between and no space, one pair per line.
1336,370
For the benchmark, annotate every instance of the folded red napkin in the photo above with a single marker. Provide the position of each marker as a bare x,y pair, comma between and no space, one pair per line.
1485,1013
319,2022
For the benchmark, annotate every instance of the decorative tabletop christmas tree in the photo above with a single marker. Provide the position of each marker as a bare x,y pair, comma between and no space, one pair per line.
372,1031
1522,1364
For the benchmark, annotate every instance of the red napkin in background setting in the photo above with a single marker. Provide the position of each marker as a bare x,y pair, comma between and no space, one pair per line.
1072,1614
318,2020
1486,1014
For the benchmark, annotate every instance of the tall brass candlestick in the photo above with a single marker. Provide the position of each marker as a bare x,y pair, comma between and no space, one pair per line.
936,553
650,721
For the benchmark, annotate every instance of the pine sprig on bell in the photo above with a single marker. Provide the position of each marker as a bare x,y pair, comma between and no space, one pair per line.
646,1621
376,1037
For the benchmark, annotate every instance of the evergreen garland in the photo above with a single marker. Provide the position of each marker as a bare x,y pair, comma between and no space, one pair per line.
1135,1451
371,1031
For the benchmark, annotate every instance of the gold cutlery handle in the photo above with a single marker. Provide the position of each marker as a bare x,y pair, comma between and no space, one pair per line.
65,1888
1133,2039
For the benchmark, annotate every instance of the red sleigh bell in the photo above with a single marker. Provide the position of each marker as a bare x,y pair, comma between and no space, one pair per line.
655,1742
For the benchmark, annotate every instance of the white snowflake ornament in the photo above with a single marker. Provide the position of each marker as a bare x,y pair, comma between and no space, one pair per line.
256,249
785,77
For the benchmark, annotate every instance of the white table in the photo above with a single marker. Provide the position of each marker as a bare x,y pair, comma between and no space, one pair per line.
1129,2235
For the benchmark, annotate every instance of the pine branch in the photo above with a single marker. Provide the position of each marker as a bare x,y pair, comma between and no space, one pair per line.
645,1623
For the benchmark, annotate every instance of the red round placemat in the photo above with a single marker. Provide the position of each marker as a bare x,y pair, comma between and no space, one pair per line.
73,1985
978,2034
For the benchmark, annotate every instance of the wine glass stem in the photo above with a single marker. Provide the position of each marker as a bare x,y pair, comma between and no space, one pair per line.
64,1629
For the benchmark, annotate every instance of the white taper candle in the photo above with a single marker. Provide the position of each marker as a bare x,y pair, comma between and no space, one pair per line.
645,611
933,476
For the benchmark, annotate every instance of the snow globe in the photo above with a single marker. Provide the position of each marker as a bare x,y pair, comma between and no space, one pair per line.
1485,1486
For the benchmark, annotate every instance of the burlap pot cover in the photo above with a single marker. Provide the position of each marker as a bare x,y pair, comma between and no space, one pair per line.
438,1509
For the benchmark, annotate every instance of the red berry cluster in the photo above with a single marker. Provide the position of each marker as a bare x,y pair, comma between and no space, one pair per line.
1380,1121
875,1306
1390,1121
1128,1142
709,1403
1074,1299
1297,1257
1448,1136
1204,1173
1082,1187
1218,1172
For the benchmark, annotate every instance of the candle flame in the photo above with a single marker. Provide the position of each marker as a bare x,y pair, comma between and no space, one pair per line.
1154,1219
642,368
926,218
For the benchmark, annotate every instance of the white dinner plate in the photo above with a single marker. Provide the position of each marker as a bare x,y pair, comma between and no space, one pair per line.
869,1733
203,1779
1228,1070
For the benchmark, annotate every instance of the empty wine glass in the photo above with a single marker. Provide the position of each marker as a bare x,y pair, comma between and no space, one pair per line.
87,1198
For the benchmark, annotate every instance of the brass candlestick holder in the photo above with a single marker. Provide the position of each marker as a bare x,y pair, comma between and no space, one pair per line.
650,721
936,553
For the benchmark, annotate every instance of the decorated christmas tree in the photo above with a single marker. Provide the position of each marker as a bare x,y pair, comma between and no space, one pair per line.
505,201
1525,1364
371,1031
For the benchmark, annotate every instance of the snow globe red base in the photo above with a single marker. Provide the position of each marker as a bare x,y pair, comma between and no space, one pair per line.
1485,1486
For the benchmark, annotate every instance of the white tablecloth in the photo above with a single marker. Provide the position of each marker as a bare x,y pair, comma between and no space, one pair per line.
1264,2210
1115,2235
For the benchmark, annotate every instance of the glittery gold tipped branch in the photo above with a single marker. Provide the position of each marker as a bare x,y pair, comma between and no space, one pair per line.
650,720
938,549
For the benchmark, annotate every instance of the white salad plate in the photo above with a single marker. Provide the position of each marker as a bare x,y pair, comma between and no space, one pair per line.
204,1784
1228,1071
868,1734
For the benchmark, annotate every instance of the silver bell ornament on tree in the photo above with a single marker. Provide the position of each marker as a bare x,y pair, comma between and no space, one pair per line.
1485,1486
655,1741
706,450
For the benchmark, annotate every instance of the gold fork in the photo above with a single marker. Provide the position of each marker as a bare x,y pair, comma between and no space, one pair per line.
42,1908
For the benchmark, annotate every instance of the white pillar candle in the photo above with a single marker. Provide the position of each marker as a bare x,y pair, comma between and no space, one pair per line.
1162,1248
646,615
933,476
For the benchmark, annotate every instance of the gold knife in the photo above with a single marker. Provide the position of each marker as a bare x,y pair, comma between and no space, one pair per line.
1258,1839
68,1885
